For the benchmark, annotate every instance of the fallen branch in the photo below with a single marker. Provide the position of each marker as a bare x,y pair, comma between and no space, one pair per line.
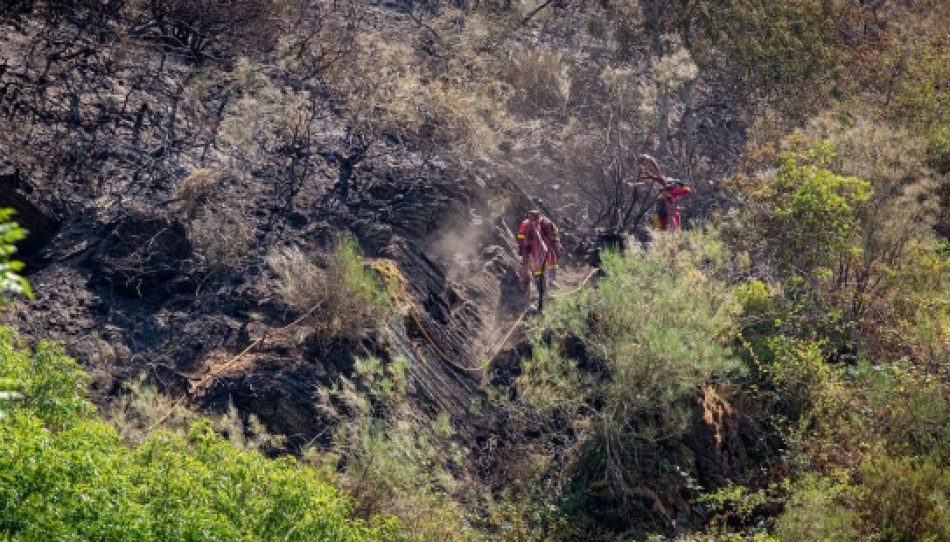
535,11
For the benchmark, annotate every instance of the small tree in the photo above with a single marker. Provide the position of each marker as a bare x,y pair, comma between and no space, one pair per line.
816,212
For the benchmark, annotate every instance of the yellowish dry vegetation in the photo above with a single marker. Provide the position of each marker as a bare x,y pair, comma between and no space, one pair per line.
193,191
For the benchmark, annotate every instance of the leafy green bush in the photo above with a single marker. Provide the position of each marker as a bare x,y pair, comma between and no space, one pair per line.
887,498
66,475
905,499
638,348
797,372
359,281
775,43
10,233
806,227
814,512
735,505
52,384
920,99
815,214
906,407
922,303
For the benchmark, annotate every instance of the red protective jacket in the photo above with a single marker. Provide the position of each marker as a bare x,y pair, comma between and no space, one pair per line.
669,197
539,244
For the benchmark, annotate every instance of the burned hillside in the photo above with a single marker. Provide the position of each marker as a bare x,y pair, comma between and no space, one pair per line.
300,219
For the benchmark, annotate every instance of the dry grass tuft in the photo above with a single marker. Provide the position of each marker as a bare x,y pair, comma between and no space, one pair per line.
348,298
193,192
540,82
222,235
300,283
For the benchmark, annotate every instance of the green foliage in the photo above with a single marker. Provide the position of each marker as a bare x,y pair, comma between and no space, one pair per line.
549,383
796,370
65,475
754,297
358,281
735,505
640,347
921,98
806,225
397,461
906,407
10,233
814,512
52,384
816,212
657,320
887,498
905,499
774,43
922,302
344,298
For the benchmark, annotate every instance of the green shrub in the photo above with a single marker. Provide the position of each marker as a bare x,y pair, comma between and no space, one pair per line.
888,497
52,385
735,505
397,461
796,370
907,407
359,281
654,329
921,100
803,224
922,303
550,383
774,43
814,512
815,213
754,297
10,281
905,499
65,475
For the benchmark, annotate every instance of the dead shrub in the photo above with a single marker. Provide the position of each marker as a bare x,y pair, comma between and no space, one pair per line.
141,408
301,284
221,234
398,97
215,219
540,82
316,35
197,27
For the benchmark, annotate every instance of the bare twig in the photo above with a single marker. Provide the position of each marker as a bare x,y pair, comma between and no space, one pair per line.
535,11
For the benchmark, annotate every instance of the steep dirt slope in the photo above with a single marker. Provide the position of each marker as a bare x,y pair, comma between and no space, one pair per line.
155,185
119,278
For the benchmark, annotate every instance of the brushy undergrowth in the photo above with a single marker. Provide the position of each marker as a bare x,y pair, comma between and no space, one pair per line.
343,295
627,357
64,474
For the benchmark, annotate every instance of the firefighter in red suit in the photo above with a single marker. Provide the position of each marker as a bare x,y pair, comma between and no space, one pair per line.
671,190
668,199
539,245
